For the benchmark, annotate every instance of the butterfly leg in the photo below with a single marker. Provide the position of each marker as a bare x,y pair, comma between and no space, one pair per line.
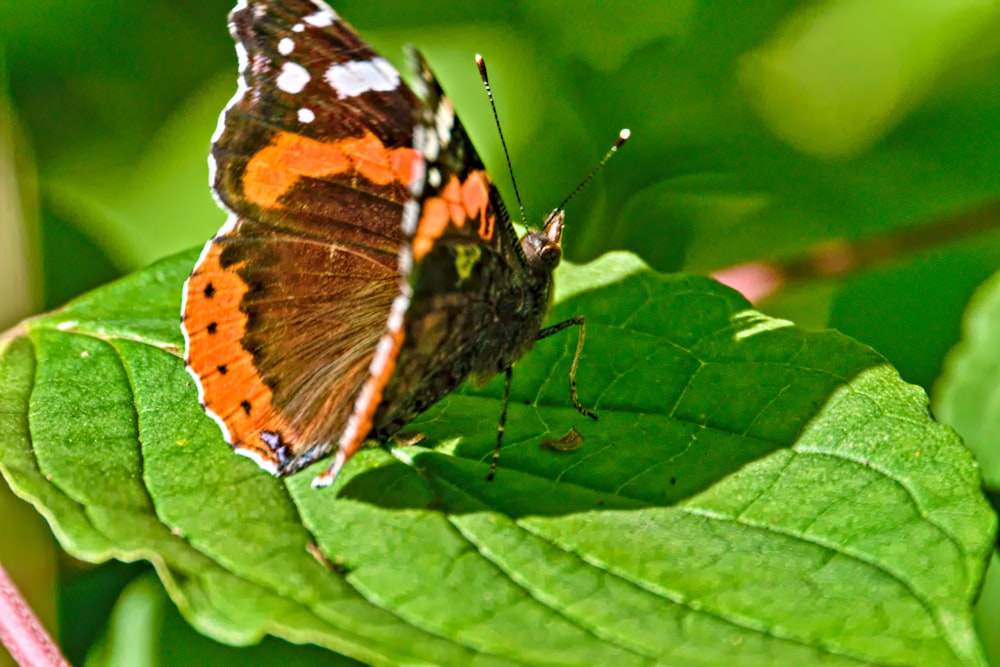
508,374
556,328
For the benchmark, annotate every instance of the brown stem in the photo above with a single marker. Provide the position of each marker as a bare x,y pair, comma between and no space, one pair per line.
21,631
835,258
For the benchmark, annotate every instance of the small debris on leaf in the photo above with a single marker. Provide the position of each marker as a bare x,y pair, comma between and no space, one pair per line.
572,440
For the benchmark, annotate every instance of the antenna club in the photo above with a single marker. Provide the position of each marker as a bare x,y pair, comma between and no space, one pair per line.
623,136
481,64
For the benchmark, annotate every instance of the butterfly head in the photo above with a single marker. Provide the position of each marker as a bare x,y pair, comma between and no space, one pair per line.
543,247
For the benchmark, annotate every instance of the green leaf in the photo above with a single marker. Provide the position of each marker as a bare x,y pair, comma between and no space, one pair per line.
752,493
965,394
988,610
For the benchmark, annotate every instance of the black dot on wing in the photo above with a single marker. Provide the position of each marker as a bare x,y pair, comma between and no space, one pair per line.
212,328
222,368
209,291
246,406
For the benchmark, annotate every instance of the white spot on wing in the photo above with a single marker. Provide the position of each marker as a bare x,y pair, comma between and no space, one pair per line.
411,210
433,150
444,120
353,78
293,78
428,145
396,313
434,177
286,46
405,264
418,175
385,347
306,115
324,18
298,27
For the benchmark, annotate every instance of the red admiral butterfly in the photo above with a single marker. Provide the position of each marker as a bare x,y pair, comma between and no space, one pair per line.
368,266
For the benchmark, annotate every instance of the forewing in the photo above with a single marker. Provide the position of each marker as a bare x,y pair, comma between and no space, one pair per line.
287,304
320,130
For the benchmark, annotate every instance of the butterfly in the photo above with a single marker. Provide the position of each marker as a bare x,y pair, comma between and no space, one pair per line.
368,265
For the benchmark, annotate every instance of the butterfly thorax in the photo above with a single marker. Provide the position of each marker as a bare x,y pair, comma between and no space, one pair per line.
457,339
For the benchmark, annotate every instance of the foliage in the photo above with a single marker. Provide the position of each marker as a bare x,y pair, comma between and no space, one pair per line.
750,484
788,498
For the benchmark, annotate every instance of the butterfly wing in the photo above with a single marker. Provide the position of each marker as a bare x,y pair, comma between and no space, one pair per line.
313,159
367,255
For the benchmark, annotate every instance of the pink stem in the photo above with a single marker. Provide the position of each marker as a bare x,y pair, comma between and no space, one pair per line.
21,631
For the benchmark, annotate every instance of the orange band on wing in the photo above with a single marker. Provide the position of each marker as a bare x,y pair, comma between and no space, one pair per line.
275,170
457,203
231,385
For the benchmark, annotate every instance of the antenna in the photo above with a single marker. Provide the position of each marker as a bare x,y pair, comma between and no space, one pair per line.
622,138
481,64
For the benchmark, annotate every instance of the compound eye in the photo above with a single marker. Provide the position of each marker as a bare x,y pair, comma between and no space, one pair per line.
550,256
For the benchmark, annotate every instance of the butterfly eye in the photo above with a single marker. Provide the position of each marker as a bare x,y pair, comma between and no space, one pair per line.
541,253
550,255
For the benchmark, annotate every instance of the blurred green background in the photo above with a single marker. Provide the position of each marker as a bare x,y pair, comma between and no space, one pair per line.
760,131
